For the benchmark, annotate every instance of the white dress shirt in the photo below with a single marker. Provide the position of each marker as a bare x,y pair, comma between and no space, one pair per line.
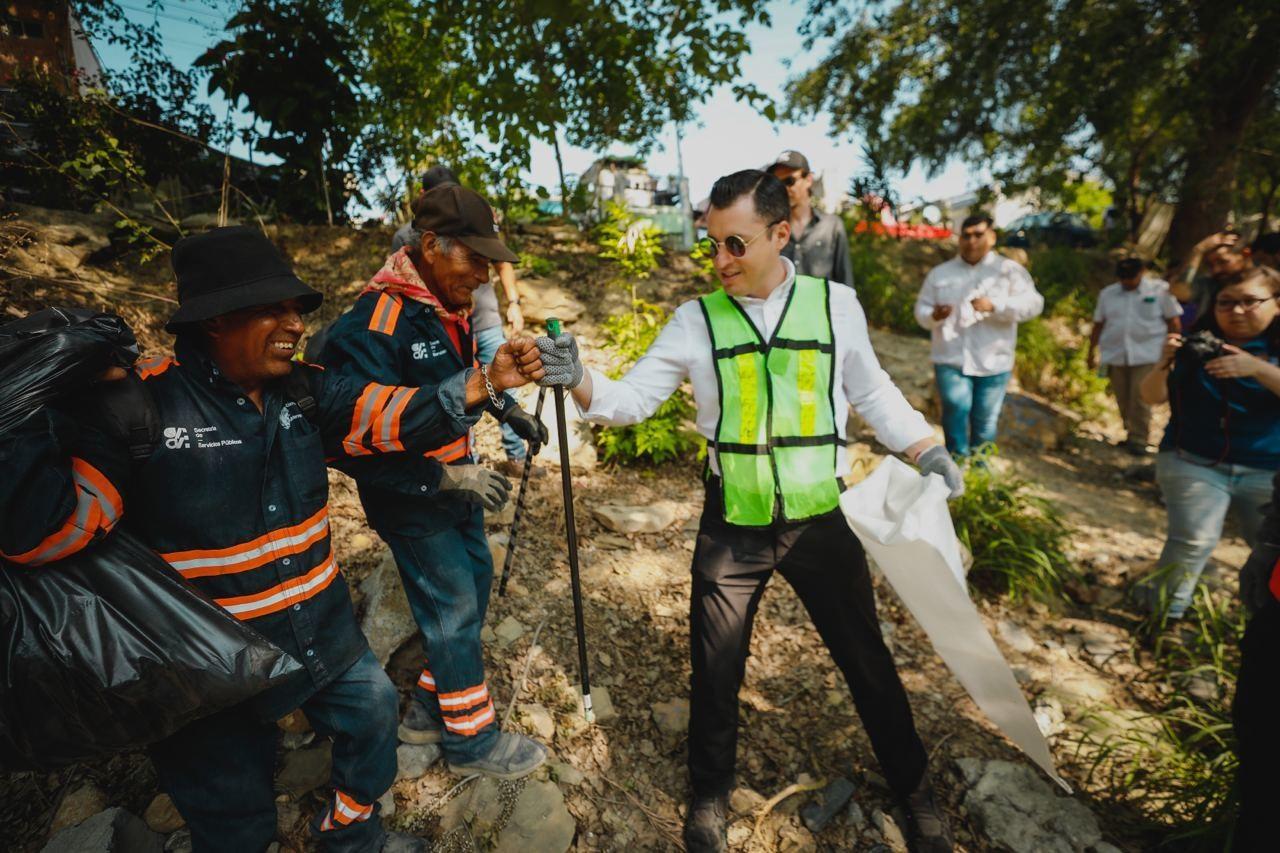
979,343
682,351
1135,321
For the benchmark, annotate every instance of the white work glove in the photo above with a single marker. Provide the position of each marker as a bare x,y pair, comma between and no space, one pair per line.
478,484
560,361
937,460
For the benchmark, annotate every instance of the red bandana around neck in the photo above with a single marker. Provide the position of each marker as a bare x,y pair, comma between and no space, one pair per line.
399,275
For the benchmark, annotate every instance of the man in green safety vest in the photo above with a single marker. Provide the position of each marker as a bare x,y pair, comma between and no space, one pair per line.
775,360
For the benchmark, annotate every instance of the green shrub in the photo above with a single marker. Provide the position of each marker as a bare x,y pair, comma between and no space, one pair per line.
1178,766
886,302
1057,370
536,265
1061,275
667,434
1017,539
704,262
632,243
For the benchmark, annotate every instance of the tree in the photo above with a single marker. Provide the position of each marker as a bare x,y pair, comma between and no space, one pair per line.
1158,95
297,68
598,72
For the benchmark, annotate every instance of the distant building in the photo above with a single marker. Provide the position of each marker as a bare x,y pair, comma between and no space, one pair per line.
1003,208
45,35
626,180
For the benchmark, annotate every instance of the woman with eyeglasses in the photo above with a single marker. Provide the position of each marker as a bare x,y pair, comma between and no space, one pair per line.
1222,445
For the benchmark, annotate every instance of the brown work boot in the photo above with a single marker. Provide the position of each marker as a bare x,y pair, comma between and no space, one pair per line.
704,828
927,827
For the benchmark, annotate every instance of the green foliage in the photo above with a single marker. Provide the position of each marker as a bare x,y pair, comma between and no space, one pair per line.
886,302
1178,765
704,262
536,265
1157,97
296,67
666,435
1017,538
1058,370
632,243
1060,274
1086,197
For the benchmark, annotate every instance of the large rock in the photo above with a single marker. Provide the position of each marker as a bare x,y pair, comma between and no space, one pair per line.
538,822
62,239
1018,811
162,815
1035,422
78,805
671,718
412,760
818,814
479,807
539,720
646,518
110,831
543,299
304,770
388,621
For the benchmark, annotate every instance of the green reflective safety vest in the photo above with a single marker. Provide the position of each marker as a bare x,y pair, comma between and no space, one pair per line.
776,437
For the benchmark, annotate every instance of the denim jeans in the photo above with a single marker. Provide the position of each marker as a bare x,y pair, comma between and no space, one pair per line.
1198,496
487,343
220,770
446,578
970,407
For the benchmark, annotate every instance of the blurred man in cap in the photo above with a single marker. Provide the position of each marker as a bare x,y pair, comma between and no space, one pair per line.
819,245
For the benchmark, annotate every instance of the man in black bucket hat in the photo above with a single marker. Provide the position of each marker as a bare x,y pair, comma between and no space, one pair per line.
233,494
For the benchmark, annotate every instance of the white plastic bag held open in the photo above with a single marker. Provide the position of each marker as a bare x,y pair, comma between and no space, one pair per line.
903,522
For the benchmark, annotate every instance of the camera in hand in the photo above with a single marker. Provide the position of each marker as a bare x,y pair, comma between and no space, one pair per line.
1203,346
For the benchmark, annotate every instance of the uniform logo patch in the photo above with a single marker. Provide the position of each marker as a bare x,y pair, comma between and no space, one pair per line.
176,438
420,351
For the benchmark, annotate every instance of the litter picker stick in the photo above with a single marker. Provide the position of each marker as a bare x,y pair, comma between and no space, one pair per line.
553,329
524,482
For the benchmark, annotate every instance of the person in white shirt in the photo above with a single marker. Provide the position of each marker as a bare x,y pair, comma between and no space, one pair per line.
775,360
972,305
1129,327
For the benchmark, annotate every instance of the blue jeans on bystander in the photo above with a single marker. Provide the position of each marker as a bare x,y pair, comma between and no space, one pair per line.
1198,495
970,407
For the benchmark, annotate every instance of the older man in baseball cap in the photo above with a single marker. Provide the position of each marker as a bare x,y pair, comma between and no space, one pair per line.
818,246
413,324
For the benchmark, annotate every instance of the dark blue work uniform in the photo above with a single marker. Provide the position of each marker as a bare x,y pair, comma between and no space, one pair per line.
438,542
236,501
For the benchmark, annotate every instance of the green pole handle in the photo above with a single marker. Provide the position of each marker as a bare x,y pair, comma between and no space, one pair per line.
553,327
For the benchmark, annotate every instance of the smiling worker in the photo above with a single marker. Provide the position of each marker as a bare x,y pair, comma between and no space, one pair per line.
775,360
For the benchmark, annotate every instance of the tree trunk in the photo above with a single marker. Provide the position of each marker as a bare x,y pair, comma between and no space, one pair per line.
564,185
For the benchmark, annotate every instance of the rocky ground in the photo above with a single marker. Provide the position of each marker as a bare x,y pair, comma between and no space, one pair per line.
808,780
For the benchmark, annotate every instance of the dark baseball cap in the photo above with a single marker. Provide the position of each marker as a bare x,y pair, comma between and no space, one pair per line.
455,211
790,160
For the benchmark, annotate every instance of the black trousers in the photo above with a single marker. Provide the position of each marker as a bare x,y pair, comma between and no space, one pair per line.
1254,714
826,566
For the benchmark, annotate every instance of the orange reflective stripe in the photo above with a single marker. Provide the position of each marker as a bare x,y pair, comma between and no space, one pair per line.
427,681
361,417
254,553
470,724
454,450
154,366
385,433
282,595
98,508
463,699
385,314
347,810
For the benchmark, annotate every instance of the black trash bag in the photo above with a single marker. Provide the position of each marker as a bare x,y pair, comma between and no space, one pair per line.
54,352
109,648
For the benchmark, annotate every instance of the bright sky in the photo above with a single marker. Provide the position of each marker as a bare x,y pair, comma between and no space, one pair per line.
727,136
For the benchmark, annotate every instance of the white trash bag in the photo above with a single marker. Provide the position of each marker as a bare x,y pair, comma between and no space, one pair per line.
903,522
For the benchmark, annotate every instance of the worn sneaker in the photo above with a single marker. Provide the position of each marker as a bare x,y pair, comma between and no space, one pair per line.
704,828
418,727
927,828
513,756
399,842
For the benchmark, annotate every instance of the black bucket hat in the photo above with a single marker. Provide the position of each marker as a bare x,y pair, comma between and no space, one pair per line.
226,269
454,211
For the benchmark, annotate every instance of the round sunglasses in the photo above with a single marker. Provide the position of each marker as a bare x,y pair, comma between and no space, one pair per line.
736,246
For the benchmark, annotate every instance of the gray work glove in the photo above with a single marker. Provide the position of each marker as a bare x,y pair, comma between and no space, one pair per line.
937,460
525,425
1255,576
478,484
560,361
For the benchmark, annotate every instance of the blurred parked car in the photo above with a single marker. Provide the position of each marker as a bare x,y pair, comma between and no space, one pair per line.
1050,229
